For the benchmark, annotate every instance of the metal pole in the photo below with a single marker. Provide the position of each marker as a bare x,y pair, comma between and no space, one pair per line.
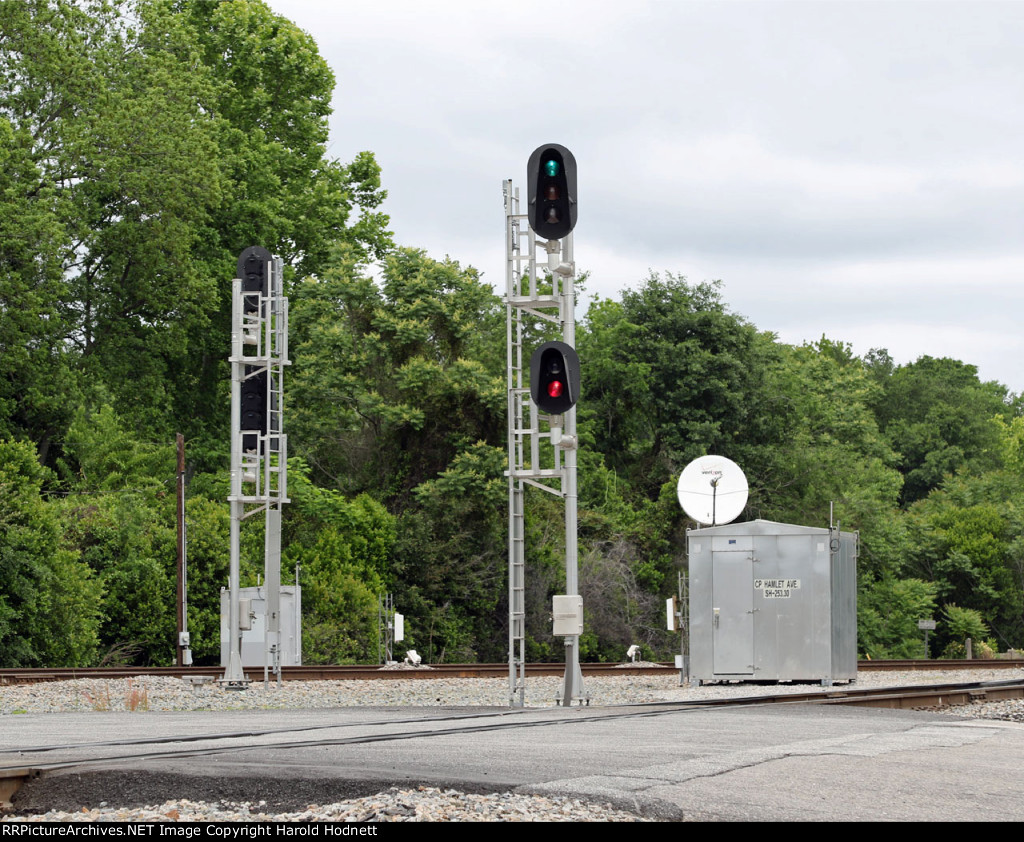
297,618
272,575
684,622
233,673
573,682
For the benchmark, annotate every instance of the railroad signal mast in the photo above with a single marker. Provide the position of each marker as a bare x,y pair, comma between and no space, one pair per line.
259,446
546,408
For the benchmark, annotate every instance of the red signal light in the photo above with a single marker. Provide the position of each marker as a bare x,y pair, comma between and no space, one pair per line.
554,377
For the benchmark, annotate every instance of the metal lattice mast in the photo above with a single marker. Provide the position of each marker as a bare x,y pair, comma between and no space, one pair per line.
524,297
259,449
387,629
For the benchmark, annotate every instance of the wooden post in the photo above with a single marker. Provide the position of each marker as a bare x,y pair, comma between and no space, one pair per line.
180,653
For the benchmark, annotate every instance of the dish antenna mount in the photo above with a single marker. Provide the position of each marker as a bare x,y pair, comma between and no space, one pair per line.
712,490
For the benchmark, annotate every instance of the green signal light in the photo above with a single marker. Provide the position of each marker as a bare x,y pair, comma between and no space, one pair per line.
551,167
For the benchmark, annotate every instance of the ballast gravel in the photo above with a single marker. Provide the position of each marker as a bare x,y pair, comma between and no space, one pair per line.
424,804
153,693
163,693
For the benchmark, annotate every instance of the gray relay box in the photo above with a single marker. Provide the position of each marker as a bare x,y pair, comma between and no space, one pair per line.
252,624
772,602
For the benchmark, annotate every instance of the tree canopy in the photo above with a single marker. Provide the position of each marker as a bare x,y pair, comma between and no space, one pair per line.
145,143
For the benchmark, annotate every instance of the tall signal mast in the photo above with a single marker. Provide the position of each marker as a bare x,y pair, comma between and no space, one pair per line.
546,408
259,446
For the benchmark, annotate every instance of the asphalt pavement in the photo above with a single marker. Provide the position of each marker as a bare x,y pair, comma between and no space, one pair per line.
766,763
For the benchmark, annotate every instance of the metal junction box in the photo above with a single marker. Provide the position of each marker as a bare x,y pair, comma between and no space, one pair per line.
567,615
772,602
253,626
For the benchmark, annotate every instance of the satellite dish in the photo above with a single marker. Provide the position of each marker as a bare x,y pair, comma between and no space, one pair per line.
712,490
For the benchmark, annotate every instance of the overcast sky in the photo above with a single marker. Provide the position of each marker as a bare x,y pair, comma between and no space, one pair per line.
853,169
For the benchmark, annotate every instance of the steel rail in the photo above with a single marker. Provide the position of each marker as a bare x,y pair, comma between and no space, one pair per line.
343,672
941,664
357,672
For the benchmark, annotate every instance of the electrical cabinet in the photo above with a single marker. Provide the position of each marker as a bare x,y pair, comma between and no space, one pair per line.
772,602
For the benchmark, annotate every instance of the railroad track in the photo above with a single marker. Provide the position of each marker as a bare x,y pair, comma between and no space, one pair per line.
374,672
962,664
343,672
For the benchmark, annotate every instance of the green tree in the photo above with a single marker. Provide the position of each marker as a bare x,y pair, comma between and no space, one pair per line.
49,600
272,95
834,462
149,143
113,123
452,560
207,559
887,614
390,383
120,517
669,375
37,389
965,549
966,537
344,551
1011,443
964,623
271,103
132,551
937,414
672,375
